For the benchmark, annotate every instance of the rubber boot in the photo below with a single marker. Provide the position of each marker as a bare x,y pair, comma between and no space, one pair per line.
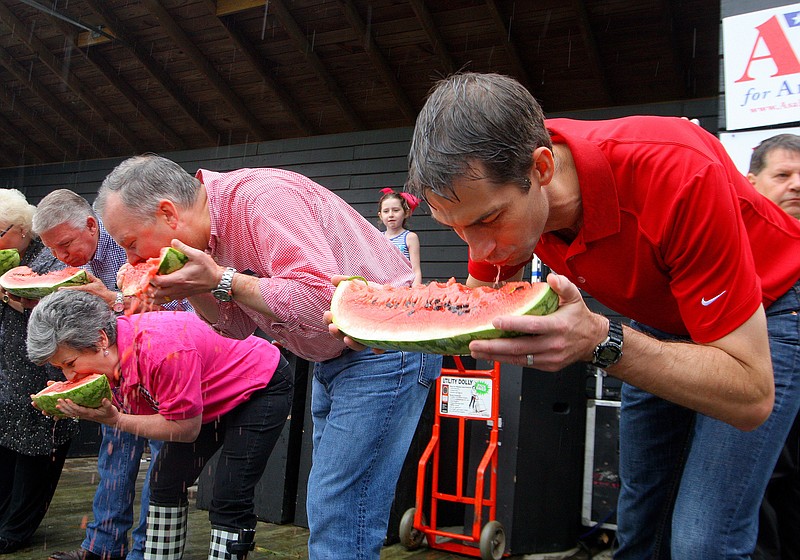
166,532
227,543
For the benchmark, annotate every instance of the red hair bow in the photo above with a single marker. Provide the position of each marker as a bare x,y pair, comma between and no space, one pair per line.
410,199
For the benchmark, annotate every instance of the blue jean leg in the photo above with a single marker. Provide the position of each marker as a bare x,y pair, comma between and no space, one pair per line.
118,467
719,486
365,408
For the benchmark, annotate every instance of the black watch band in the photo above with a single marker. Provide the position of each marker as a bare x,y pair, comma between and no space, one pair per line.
609,352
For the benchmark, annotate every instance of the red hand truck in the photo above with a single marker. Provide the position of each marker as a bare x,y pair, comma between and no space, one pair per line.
465,395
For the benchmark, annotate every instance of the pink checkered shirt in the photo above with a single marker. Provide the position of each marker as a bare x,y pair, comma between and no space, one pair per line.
294,234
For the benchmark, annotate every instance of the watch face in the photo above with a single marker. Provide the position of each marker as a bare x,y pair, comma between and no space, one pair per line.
221,295
118,307
609,354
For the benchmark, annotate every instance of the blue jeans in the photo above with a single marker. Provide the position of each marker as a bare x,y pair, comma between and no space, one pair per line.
118,467
365,408
692,485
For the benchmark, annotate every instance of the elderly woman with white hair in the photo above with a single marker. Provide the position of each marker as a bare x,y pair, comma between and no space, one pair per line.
32,447
176,380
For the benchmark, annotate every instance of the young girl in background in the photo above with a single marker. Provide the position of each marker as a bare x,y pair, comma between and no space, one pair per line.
394,210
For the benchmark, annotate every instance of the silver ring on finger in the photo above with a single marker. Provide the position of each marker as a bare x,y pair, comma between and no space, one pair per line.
529,359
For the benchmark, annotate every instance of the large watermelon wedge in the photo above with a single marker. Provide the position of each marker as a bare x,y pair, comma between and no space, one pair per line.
134,279
437,318
89,391
25,283
9,258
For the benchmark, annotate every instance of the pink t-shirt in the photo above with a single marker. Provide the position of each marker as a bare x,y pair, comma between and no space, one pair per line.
174,364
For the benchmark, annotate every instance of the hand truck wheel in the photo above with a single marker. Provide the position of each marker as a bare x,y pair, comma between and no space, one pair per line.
493,541
410,537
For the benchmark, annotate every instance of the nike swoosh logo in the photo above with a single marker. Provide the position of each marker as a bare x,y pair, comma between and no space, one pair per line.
707,302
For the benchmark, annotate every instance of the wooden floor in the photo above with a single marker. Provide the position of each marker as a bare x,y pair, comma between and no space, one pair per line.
64,527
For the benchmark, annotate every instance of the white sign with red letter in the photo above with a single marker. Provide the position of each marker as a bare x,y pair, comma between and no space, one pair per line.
762,67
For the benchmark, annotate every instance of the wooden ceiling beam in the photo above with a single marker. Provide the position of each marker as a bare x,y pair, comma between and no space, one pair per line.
37,123
28,145
504,31
70,118
592,51
298,37
291,107
373,51
432,31
102,66
220,8
22,33
133,97
156,70
206,68
228,7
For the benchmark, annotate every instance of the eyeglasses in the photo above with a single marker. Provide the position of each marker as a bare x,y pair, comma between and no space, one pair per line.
5,231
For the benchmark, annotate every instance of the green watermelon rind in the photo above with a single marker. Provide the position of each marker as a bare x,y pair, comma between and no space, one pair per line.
171,261
9,258
89,394
458,345
30,290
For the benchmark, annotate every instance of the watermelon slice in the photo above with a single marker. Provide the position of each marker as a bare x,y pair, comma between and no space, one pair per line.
437,318
88,391
25,283
133,280
9,258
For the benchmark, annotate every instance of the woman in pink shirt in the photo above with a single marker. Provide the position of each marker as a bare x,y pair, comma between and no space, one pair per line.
176,380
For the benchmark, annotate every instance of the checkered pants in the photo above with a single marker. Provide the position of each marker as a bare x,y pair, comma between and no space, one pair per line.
218,549
166,532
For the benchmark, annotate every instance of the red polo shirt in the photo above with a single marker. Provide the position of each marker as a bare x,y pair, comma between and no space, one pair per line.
673,235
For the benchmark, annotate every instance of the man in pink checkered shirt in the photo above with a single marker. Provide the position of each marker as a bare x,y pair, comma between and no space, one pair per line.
263,245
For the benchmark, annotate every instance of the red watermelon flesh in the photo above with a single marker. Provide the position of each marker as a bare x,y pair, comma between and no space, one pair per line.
133,280
24,282
437,318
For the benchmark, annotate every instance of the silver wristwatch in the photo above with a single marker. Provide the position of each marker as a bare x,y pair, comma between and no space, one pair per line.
119,303
224,290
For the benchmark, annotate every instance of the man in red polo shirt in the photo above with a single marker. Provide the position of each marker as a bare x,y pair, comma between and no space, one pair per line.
650,217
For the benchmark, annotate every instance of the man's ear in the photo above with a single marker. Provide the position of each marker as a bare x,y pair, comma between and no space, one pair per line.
91,224
169,211
544,165
752,178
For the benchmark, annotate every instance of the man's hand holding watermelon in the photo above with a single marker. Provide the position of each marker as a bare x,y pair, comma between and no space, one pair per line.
555,340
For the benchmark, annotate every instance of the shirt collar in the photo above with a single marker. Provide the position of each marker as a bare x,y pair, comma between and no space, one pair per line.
105,243
205,177
599,200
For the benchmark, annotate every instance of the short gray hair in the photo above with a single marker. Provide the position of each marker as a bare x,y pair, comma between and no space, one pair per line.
472,118
142,181
71,318
788,142
62,206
